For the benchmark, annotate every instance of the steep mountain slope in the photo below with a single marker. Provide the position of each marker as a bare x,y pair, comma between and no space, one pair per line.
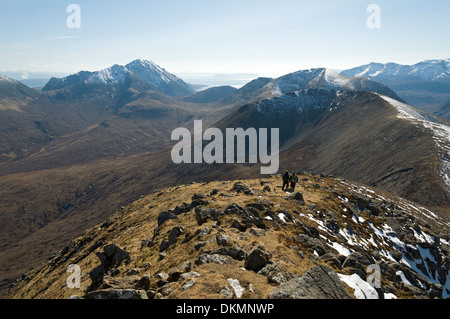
248,239
363,136
425,85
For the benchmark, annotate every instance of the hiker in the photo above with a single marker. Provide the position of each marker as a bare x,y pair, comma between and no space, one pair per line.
285,180
294,180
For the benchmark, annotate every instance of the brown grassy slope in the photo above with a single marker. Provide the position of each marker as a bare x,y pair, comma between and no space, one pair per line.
42,210
135,223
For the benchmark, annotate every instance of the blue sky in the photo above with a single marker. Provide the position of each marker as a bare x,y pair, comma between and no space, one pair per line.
268,38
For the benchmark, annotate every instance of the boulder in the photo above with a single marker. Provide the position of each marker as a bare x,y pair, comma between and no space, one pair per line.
176,272
298,196
203,215
397,255
257,258
117,294
233,252
222,239
275,274
239,187
358,263
319,282
313,243
174,233
213,258
162,217
126,282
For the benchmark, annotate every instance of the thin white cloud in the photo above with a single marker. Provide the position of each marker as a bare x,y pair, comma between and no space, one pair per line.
421,15
64,37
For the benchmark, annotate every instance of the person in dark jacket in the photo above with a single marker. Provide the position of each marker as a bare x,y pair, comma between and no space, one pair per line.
293,180
285,180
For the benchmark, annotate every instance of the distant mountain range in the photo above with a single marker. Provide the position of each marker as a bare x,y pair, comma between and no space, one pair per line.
425,85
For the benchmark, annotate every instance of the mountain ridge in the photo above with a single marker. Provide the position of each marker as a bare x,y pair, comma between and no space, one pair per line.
425,84
191,241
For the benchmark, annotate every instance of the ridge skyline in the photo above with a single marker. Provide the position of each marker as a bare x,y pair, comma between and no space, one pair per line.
202,79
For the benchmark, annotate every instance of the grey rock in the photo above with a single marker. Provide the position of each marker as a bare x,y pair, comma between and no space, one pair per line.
238,225
143,283
203,215
126,282
298,196
214,258
188,284
331,259
257,258
397,255
222,239
233,252
133,272
162,217
227,292
151,293
319,282
176,272
167,289
275,274
174,233
199,245
188,275
314,243
257,232
240,187
164,245
117,294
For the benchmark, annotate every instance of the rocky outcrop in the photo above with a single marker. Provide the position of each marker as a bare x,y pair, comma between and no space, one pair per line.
319,282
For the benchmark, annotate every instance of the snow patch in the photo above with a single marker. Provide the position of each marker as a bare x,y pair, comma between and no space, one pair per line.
363,290
238,289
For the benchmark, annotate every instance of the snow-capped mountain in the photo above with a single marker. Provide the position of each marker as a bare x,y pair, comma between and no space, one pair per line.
329,80
158,77
321,78
425,85
143,71
429,70
111,76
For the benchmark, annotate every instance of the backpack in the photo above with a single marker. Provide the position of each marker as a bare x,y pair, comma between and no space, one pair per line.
294,179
